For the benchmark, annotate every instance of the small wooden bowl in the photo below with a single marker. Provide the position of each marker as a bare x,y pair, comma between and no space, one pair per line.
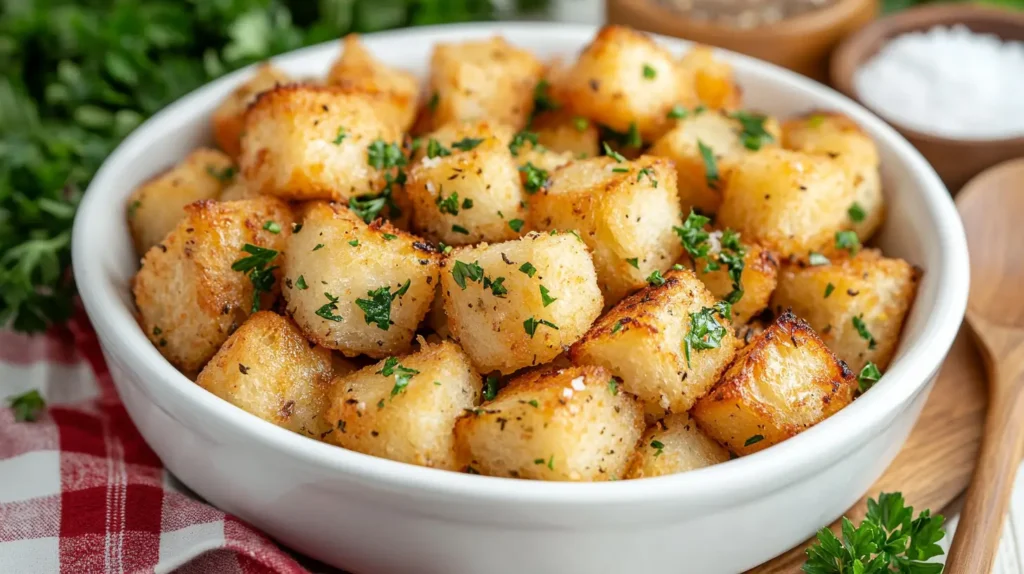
802,43
955,160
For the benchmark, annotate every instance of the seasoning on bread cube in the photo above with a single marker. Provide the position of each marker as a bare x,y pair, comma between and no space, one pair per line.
214,269
667,343
517,304
404,407
229,118
395,92
856,305
789,202
159,204
706,145
625,211
267,368
784,382
562,131
708,81
569,424
624,80
673,445
357,288
467,187
482,79
318,142
838,137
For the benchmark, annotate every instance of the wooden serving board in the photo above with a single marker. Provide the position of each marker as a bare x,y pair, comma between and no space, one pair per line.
936,463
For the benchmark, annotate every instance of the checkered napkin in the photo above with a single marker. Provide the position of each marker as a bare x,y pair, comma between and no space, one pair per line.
81,492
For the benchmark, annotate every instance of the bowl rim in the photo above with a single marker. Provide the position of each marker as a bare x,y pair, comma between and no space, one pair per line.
730,482
797,26
856,49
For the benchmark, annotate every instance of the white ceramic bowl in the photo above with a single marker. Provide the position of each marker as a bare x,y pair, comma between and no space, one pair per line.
377,516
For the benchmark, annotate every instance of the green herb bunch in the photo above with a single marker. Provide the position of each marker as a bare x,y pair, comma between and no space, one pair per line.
77,77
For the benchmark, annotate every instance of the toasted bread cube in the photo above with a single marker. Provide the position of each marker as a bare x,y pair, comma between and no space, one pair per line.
645,340
537,157
404,408
396,92
562,131
267,368
838,137
757,279
673,445
482,79
784,382
624,212
553,424
237,190
790,202
624,80
189,298
708,81
517,304
159,204
229,118
314,142
357,288
473,194
868,289
722,134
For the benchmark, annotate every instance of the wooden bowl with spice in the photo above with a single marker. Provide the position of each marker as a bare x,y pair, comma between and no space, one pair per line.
949,77
795,34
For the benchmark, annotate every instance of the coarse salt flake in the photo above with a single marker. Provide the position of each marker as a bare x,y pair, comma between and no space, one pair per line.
577,384
949,82
567,393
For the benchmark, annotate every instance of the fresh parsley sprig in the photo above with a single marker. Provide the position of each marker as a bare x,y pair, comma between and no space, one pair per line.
255,267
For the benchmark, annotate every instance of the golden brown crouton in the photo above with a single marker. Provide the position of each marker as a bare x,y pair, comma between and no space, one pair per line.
562,131
228,118
673,445
395,92
707,80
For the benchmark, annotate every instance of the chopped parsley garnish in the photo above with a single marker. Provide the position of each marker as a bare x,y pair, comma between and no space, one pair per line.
693,236
388,236
491,387
542,100
862,330
536,178
545,296
354,243
551,463
272,226
710,166
856,213
633,138
446,249
731,255
255,266
402,374
868,376
467,144
753,440
531,324
650,175
613,387
655,279
301,283
649,72
340,137
516,224
460,229
462,271
27,406
383,155
677,112
847,240
608,151
817,259
520,139
581,123
528,268
533,403
617,327
634,262
467,203
620,170
497,286
538,461
368,207
296,227
378,307
753,135
318,247
658,446
327,309
435,149
448,204
829,289
223,175
705,331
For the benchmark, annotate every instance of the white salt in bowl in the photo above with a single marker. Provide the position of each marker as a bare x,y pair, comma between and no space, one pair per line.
368,514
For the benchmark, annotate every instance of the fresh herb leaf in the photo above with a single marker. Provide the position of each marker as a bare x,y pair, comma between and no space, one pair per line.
710,166
655,279
462,271
693,236
435,99
608,151
753,135
613,387
402,374
521,139
497,286
327,309
580,123
516,224
868,376
460,229
223,175
435,149
634,262
536,178
388,236
829,289
862,330
491,385
649,72
848,240
658,446
448,204
255,267
467,144
545,296
856,213
633,138
369,207
705,332
383,155
340,137
528,268
617,327
542,100
318,247
27,406
677,112
354,243
272,226
301,283
753,440
650,175
378,307
531,324
467,203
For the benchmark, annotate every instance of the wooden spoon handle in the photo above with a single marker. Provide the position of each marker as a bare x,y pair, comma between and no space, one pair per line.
981,522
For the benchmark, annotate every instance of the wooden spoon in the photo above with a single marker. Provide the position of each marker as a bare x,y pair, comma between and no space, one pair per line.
992,208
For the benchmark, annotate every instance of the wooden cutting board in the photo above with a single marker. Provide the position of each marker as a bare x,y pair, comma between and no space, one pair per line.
936,463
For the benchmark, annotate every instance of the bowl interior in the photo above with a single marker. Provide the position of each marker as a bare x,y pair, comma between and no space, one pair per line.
921,227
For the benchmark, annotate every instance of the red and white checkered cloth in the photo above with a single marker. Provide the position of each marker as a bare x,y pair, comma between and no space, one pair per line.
81,492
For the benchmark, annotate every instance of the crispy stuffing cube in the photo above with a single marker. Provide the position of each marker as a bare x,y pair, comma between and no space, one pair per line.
708,81
673,445
394,92
561,131
229,118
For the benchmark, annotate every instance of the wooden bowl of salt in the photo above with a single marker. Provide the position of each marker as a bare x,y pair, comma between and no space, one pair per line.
949,77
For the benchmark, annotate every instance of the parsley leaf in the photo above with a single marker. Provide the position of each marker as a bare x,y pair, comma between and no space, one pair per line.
528,268
301,283
829,289
608,151
862,330
327,309
545,296
753,440
516,224
655,279
462,271
693,236
536,178
466,144
753,135
383,155
378,307
634,262
435,149
677,112
530,325
848,240
27,406
856,213
491,385
521,139
649,72
710,166
868,376
658,446
705,332
369,207
255,266
650,175
402,374
340,137
542,100
448,204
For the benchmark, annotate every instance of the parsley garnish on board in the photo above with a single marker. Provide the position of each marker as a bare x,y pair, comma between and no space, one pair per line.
497,286
402,374
378,307
255,266
705,331
27,406
710,166
753,135
888,540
